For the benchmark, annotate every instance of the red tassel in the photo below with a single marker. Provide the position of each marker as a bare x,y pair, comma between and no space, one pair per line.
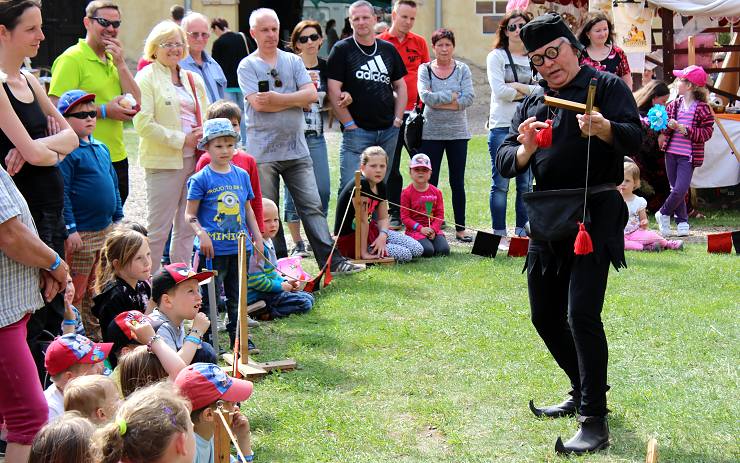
544,136
583,244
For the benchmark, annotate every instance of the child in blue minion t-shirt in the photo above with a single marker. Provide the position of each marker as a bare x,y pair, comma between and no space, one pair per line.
218,209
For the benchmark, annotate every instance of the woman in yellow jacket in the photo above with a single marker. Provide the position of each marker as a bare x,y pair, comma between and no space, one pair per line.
172,105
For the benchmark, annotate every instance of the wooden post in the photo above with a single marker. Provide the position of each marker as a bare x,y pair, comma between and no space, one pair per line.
243,320
357,199
666,17
692,50
221,442
652,451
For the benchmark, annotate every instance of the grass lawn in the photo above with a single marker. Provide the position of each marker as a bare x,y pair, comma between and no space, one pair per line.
436,360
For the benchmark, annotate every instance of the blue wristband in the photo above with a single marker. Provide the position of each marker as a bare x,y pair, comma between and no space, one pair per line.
416,225
194,340
69,322
349,123
248,458
103,114
56,263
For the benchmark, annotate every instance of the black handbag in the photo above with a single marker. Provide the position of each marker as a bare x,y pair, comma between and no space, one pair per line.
554,214
414,127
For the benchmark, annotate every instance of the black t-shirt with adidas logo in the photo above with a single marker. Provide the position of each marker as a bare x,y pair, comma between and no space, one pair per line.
368,78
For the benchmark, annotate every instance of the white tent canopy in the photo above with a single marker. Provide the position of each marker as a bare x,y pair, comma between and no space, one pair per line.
701,7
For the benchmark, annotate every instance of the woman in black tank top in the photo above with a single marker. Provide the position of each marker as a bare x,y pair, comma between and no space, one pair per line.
33,138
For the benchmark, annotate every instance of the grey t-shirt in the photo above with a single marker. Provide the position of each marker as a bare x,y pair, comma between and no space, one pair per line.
172,335
274,136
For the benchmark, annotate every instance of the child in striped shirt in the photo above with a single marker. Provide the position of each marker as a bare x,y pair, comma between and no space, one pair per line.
690,125
282,296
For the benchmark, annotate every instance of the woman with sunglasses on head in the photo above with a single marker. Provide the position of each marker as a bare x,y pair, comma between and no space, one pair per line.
173,102
510,77
33,137
597,35
306,41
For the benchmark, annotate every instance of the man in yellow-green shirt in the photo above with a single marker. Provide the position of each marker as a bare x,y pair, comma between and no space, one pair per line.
96,65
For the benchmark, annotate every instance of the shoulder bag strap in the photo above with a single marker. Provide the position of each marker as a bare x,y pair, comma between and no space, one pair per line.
198,118
246,43
511,63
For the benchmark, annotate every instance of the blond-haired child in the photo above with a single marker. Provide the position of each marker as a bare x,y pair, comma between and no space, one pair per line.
152,426
68,357
377,240
95,397
637,237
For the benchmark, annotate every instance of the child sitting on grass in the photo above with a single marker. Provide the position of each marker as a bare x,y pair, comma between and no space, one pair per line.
219,209
68,357
91,199
95,397
152,426
205,385
176,291
282,296
637,237
419,200
122,281
377,241
64,440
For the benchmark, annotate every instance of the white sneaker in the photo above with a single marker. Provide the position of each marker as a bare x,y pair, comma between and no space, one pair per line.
664,223
682,229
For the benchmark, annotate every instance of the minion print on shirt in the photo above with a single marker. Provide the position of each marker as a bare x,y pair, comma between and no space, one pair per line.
222,208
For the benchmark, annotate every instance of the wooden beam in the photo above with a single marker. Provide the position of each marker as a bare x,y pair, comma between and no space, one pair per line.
692,50
567,104
726,135
666,18
358,216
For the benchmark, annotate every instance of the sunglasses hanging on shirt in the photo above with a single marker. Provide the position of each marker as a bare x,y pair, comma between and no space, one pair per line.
274,74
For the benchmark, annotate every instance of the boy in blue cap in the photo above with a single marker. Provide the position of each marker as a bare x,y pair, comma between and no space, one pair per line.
91,200
218,209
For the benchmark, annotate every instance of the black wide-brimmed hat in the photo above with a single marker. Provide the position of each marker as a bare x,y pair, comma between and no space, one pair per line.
544,29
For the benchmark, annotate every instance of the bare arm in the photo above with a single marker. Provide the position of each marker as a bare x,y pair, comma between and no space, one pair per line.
65,140
627,78
22,245
399,86
341,111
273,102
33,151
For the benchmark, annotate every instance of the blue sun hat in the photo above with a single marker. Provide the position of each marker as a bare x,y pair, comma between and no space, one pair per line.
214,128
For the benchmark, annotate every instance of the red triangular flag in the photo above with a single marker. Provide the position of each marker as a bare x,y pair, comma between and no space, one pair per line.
583,244
328,277
518,246
719,243
544,136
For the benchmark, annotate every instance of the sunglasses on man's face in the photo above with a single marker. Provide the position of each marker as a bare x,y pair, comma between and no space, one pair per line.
83,115
305,38
274,75
105,23
513,27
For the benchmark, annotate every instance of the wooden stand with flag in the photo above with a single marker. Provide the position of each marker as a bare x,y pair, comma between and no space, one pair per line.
357,199
240,361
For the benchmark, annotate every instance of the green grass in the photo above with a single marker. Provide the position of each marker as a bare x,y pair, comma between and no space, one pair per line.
436,360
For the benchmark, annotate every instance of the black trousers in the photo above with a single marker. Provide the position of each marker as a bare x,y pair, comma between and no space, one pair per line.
393,177
121,168
566,296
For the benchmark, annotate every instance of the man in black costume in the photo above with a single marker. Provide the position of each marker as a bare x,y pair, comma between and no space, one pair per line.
566,291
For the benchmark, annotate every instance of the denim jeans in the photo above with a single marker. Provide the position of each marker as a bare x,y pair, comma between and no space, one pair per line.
457,155
300,181
227,274
235,94
354,143
320,158
500,187
286,303
393,177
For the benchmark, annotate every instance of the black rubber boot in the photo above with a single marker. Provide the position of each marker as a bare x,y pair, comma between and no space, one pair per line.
568,407
592,436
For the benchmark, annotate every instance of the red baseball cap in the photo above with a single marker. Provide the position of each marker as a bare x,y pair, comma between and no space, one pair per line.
694,74
205,383
71,349
172,275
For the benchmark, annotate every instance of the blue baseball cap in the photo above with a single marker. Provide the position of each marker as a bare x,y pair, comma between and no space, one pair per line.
73,97
214,128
